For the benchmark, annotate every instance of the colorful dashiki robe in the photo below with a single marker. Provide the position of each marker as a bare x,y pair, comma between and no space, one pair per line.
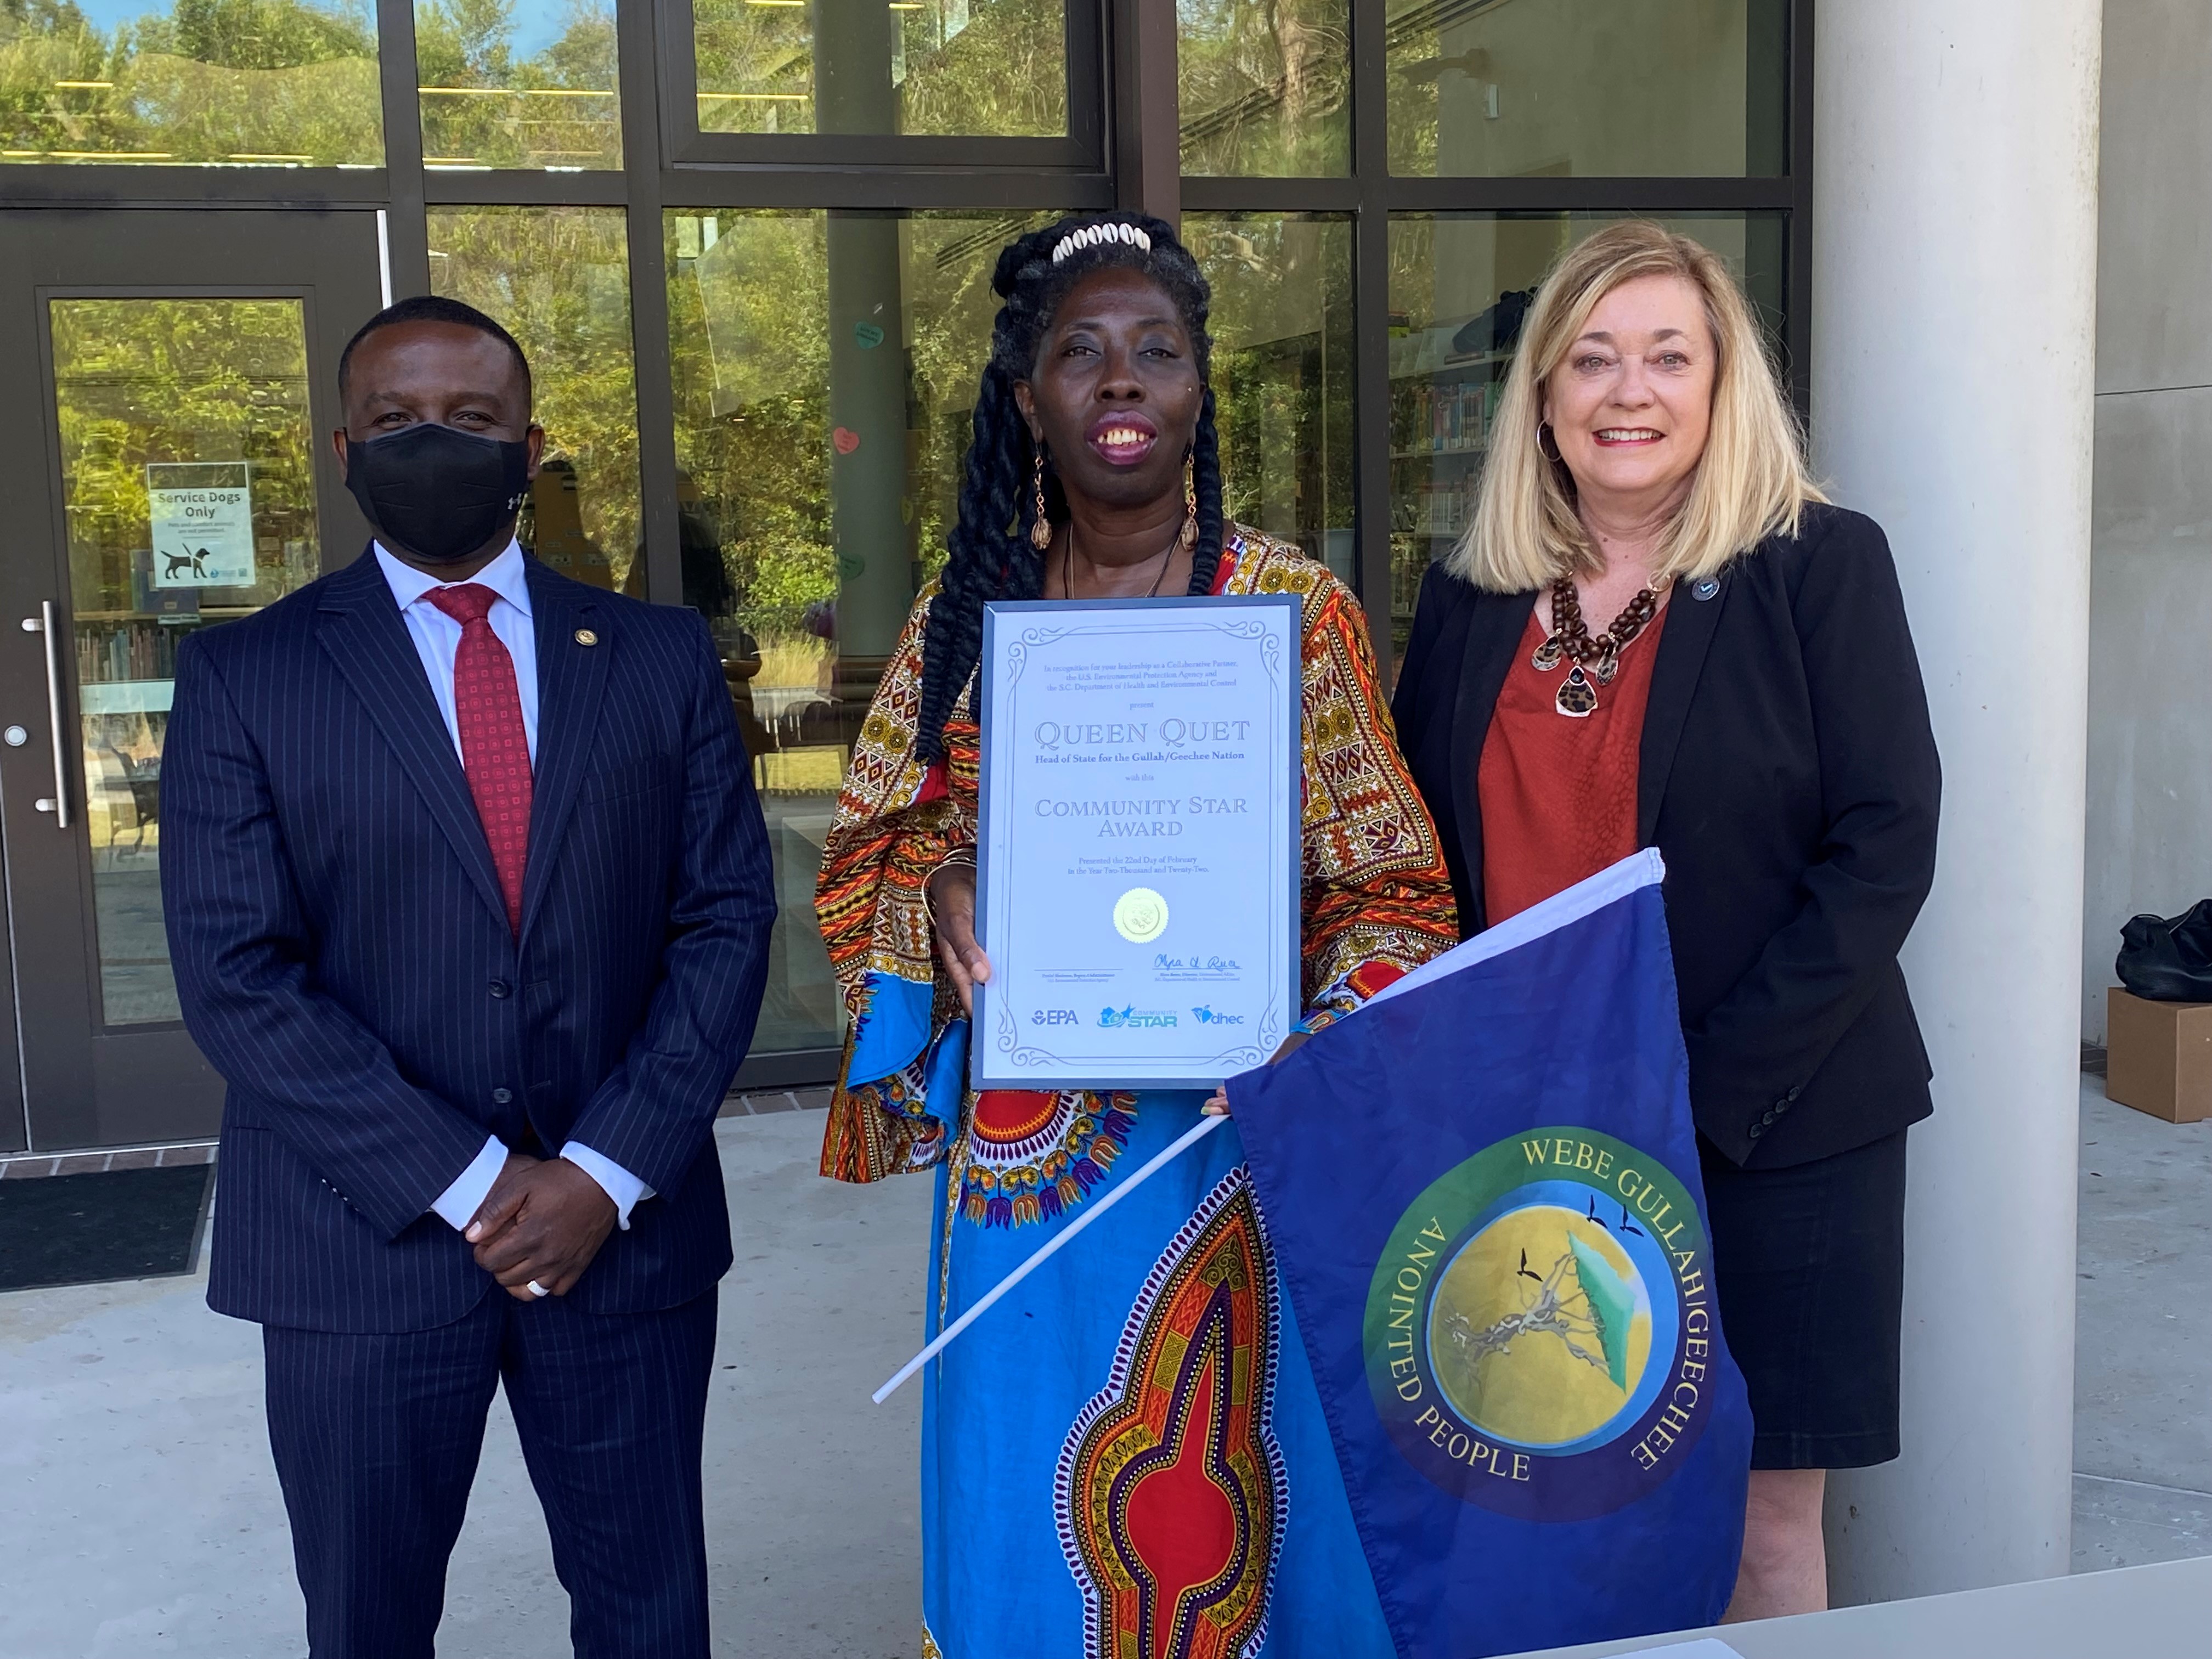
1127,1458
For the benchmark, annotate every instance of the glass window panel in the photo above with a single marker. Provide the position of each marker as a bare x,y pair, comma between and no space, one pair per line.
558,280
188,488
1282,374
1266,87
1629,89
973,67
1459,283
825,368
223,83
528,86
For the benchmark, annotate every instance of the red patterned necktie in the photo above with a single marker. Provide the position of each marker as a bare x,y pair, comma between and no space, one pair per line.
495,748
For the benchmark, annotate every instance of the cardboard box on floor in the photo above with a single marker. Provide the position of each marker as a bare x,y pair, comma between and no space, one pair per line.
2158,1056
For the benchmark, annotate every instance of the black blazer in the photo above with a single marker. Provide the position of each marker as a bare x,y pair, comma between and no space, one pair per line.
1789,779
344,959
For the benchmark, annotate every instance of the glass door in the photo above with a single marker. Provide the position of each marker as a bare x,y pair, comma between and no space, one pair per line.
173,472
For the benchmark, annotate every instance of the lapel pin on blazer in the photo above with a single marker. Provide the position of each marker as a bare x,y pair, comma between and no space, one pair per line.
1706,589
586,637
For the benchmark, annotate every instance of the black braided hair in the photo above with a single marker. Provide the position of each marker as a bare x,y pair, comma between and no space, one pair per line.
992,557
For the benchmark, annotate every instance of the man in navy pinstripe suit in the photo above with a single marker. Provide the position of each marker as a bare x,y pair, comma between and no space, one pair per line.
469,898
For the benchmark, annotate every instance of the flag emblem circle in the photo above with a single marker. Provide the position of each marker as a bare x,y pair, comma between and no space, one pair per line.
1540,1326
1140,915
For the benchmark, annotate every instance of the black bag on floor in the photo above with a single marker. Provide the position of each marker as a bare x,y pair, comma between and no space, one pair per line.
2168,959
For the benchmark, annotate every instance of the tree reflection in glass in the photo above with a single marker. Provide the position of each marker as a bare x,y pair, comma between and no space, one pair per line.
977,68
162,405
235,83
1266,87
507,86
1282,374
825,367
558,280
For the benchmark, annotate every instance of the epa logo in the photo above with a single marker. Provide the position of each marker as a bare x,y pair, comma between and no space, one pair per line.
1052,1017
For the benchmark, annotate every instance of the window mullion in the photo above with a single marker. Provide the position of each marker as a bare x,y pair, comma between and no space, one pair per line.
407,222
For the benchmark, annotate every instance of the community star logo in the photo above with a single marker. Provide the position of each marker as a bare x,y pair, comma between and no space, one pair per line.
1540,1326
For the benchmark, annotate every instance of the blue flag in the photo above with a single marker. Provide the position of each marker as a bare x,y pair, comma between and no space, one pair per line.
1483,1192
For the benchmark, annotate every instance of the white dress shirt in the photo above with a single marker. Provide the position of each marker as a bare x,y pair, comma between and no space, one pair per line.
437,639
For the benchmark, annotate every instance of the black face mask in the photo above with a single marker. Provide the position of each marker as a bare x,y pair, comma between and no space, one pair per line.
437,493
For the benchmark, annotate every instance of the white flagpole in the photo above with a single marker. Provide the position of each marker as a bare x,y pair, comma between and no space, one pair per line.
1191,1137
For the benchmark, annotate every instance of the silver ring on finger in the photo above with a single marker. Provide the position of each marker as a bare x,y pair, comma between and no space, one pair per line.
537,1289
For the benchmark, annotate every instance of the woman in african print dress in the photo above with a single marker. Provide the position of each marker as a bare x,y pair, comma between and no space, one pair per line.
1127,1458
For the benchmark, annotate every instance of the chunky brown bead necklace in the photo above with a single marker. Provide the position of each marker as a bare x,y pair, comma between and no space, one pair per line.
1571,638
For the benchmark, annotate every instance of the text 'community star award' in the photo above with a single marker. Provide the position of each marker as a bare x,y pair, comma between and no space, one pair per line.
1139,843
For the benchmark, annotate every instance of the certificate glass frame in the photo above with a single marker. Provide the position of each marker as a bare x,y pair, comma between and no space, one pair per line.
1139,856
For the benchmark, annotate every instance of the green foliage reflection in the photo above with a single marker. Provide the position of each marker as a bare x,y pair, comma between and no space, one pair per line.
750,330
970,67
1265,86
141,380
485,106
558,280
750,359
1283,374
247,82
752,336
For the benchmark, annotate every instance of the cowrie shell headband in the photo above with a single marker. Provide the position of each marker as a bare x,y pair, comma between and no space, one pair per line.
1097,236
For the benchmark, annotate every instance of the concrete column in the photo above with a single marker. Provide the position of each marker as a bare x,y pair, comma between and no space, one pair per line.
2150,756
1953,330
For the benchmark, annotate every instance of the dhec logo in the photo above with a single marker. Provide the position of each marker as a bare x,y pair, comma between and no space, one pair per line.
1539,1325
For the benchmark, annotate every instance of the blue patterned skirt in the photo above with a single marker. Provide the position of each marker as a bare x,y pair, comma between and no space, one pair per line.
1125,1458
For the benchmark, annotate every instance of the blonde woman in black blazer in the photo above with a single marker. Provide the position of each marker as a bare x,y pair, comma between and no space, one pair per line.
1646,472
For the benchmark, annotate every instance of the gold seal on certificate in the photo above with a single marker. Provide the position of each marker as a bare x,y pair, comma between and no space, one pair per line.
1139,853
1140,915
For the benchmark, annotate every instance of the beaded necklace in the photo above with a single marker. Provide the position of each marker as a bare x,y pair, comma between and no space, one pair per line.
1571,638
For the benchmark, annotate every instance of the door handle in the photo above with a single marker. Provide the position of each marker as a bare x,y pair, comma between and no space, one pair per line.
58,805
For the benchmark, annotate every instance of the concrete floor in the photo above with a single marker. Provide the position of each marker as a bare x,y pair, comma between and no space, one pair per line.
2142,1341
142,1517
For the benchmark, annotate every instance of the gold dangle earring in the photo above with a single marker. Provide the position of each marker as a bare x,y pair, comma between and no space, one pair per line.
1040,526
1188,537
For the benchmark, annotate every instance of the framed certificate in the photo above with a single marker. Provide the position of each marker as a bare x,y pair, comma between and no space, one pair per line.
1140,877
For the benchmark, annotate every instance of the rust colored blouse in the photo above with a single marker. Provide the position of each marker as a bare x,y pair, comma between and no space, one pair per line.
1559,794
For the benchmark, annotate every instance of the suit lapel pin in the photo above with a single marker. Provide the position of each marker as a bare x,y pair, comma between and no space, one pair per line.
586,637
1702,590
